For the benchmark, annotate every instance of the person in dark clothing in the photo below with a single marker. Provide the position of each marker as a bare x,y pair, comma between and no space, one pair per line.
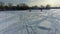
29,10
41,9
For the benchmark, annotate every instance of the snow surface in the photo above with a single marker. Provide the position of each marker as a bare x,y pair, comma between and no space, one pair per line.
34,22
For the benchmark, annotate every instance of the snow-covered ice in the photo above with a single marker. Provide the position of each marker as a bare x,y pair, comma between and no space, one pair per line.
34,22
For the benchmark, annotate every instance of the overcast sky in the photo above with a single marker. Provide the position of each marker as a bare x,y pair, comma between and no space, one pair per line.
34,2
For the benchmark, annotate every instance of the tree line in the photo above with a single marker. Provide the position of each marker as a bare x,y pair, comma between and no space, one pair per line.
21,6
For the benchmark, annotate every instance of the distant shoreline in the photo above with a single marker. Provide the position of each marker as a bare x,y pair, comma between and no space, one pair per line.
31,9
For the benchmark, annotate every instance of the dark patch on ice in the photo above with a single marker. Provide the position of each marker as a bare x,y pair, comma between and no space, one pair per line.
44,28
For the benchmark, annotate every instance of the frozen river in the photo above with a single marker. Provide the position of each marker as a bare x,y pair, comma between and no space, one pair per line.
34,22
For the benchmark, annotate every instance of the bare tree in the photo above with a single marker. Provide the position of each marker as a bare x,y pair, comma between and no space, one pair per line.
1,4
22,4
10,4
42,6
48,6
35,6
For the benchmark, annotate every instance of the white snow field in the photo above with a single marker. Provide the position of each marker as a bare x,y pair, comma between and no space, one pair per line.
34,22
